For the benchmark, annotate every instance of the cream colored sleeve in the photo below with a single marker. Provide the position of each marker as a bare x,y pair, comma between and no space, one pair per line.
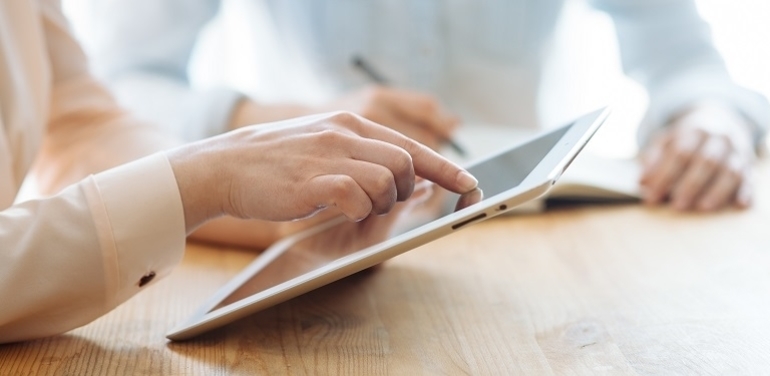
98,239
88,132
75,256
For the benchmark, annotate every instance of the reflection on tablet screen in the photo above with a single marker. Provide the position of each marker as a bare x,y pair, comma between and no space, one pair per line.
496,175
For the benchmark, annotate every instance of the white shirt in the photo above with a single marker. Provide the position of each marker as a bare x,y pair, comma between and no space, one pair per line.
483,59
68,259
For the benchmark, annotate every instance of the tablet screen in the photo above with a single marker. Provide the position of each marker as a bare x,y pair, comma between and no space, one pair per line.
496,175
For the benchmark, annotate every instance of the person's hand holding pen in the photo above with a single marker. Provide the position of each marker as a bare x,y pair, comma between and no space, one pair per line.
417,115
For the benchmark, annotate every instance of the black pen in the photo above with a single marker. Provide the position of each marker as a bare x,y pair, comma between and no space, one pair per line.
377,78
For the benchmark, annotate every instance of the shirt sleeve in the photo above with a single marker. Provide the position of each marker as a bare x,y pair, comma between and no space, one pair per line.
143,49
105,232
667,47
73,257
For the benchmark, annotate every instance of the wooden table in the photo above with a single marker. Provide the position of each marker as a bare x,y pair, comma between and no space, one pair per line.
612,289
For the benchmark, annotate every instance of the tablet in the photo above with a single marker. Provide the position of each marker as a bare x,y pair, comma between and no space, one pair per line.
338,248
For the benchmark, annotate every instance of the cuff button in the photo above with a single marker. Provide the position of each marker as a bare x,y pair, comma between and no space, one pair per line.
146,279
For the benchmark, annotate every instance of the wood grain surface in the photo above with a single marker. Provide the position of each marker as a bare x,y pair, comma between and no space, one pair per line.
591,290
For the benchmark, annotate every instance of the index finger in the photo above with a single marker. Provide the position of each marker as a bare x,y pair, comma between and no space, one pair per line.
427,163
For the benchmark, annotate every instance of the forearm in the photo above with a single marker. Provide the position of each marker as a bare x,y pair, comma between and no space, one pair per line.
88,134
254,233
234,232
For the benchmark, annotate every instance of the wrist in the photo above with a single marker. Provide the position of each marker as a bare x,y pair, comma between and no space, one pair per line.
719,118
198,181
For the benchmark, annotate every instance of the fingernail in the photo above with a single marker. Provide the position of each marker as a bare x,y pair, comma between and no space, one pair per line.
466,181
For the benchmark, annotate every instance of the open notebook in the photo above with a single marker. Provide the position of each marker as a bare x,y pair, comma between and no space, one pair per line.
590,178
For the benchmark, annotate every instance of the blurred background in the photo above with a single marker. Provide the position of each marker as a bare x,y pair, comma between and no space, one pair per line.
584,74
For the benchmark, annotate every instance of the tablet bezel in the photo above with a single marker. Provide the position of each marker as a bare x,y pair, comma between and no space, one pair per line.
536,184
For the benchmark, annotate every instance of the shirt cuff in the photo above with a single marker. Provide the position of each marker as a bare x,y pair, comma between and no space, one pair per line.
139,217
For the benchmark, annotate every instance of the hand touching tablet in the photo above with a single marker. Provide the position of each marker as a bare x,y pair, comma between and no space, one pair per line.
293,169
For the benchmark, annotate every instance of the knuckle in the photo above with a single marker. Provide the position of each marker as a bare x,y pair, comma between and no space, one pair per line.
427,104
381,192
709,162
385,193
735,167
330,136
319,126
402,163
383,183
358,208
683,188
733,173
680,154
686,128
345,118
343,187
403,172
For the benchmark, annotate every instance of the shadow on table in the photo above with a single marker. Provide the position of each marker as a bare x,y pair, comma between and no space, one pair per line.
70,354
309,306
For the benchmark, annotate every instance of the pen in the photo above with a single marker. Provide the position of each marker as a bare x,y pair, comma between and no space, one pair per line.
377,78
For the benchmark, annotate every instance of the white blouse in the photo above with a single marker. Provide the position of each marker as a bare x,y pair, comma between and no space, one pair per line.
483,59
67,259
